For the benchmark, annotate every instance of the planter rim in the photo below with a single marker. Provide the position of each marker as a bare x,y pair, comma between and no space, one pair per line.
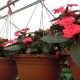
5,58
35,55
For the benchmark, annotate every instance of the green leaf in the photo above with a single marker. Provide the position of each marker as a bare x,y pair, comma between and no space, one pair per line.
75,53
68,76
33,44
34,49
20,38
54,39
13,48
56,27
45,50
66,10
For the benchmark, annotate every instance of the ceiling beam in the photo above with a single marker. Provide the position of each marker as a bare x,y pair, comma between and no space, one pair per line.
9,4
23,8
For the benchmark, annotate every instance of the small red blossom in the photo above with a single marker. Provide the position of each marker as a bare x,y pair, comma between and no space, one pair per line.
76,28
17,33
29,39
58,52
4,46
71,30
65,21
20,32
9,41
72,5
68,32
26,29
61,9
15,39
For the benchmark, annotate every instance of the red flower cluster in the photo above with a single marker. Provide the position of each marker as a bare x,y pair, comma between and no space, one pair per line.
27,40
65,21
61,9
72,5
70,28
17,34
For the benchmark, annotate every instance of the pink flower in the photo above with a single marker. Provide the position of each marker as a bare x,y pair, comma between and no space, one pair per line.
29,39
17,33
68,32
15,39
4,46
61,9
71,30
65,21
72,5
58,52
9,41
5,43
26,29
76,28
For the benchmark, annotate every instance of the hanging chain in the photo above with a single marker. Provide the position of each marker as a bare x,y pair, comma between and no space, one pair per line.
47,9
31,15
48,16
41,20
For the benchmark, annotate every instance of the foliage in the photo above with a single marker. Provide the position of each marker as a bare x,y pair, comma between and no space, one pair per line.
67,24
63,34
2,52
2,40
27,43
66,74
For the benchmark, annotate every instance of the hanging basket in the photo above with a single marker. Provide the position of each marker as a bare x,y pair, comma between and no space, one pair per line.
8,69
32,67
75,70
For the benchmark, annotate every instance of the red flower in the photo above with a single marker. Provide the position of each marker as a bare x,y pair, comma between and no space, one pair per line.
71,30
27,40
26,29
72,5
4,46
61,9
58,52
68,33
23,31
17,33
15,39
8,42
65,21
76,28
